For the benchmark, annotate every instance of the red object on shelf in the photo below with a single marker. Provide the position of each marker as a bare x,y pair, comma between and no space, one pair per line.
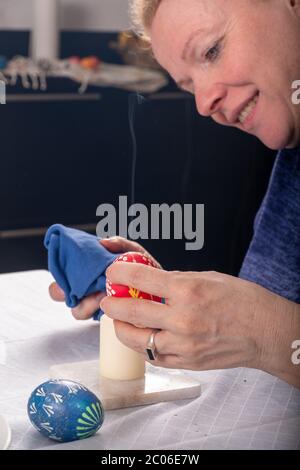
118,290
90,63
74,59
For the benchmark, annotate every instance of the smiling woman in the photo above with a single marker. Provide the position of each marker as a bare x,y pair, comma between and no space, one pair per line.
239,59
231,56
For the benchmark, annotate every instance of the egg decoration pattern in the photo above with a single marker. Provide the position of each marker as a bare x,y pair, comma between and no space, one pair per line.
118,290
65,411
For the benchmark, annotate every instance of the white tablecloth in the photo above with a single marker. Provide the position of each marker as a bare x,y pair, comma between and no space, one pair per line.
238,409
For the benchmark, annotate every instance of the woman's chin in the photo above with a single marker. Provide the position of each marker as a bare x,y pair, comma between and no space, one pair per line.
276,142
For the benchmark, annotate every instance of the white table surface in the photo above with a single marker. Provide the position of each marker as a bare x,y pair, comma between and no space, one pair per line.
238,409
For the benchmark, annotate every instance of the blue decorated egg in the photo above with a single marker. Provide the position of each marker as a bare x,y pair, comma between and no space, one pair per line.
65,411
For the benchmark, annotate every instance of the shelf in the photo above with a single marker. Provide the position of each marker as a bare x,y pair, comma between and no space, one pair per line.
49,97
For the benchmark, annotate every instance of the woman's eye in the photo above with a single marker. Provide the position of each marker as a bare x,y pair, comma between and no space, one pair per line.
213,53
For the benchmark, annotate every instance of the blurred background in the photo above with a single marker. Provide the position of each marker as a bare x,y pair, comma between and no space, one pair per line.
82,94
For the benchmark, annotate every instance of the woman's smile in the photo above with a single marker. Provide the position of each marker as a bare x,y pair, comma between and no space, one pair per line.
245,117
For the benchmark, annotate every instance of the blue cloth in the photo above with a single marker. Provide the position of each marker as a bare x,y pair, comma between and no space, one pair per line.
273,258
77,262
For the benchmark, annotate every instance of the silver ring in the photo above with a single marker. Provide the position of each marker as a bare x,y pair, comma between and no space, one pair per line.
151,349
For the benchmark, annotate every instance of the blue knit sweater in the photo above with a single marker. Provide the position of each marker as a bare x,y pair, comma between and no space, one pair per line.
273,258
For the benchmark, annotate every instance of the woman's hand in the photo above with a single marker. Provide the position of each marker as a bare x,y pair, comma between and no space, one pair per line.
87,307
210,320
90,304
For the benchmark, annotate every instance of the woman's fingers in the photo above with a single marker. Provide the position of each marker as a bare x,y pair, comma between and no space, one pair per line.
88,306
137,338
56,293
122,245
166,345
139,312
145,278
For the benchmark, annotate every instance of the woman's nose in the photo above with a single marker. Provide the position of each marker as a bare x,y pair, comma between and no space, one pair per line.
209,102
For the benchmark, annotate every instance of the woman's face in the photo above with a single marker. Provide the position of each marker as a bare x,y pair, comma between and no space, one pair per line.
239,58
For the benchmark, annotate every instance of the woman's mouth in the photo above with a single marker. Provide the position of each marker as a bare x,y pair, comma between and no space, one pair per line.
247,113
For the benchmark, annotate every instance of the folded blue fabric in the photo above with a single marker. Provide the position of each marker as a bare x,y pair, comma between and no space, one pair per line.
77,262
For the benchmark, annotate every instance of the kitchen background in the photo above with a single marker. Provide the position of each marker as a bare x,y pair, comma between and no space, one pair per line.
64,152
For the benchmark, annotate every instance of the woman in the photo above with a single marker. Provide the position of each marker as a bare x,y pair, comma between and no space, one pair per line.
240,60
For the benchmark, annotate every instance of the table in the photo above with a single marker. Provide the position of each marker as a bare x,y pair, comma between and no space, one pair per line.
238,409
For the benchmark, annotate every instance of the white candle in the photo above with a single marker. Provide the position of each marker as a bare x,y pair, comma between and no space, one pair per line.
45,34
117,362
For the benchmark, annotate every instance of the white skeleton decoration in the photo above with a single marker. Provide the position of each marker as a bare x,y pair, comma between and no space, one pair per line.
34,75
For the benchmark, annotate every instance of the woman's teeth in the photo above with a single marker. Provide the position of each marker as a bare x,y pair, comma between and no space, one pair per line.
247,110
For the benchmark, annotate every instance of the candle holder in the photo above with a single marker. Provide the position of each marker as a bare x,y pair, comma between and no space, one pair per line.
158,385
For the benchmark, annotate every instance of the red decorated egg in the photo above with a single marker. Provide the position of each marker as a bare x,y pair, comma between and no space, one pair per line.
118,290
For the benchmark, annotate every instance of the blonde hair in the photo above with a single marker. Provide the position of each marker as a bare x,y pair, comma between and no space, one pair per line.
142,14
